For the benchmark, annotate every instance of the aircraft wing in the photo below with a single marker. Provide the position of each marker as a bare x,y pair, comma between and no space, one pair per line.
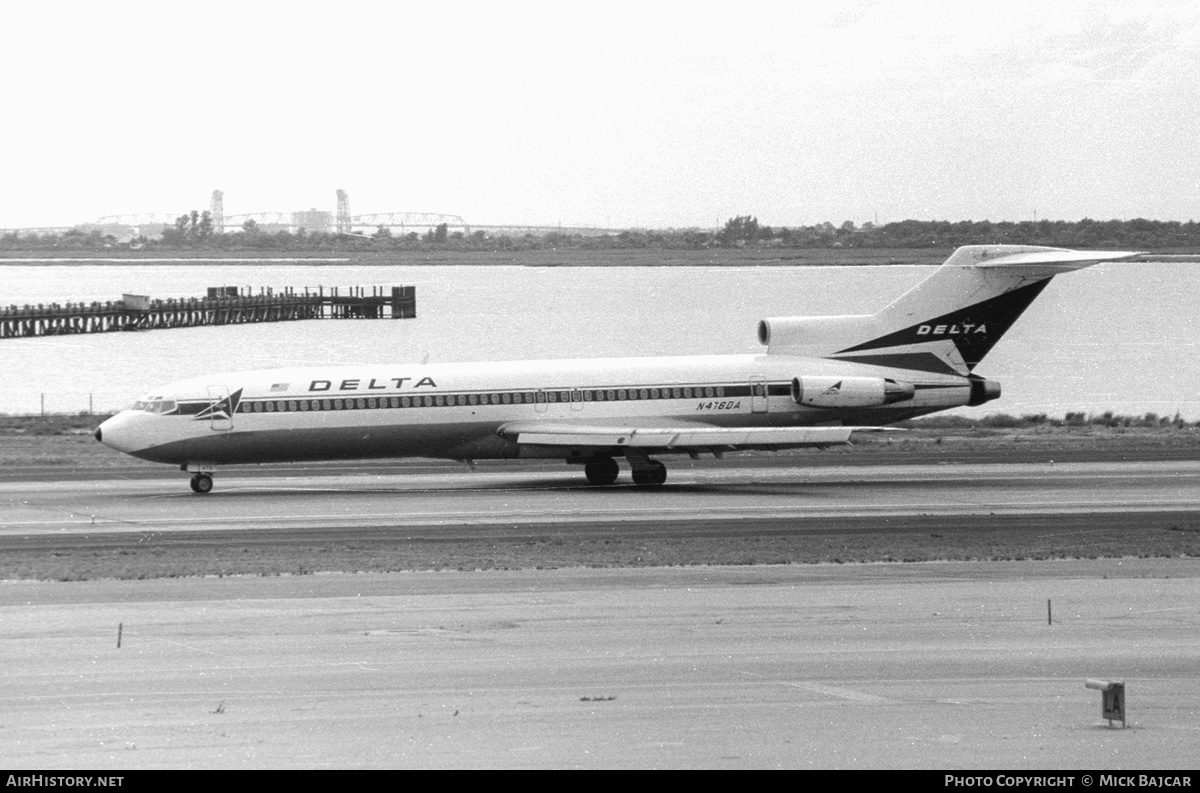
682,438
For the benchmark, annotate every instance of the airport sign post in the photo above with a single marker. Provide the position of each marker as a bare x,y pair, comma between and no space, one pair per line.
1112,699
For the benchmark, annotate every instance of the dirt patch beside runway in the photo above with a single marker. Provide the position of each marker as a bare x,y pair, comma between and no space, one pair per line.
138,555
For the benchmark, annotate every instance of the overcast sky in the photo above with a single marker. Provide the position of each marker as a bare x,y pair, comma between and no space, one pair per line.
641,114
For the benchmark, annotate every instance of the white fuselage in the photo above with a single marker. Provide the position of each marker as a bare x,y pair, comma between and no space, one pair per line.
821,379
459,410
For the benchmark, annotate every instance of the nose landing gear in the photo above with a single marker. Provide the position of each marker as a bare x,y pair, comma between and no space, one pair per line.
202,475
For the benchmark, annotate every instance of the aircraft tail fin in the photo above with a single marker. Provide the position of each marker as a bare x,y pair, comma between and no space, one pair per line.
948,322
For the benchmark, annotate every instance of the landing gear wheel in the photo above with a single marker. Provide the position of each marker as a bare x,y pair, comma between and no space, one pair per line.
652,473
602,472
201,483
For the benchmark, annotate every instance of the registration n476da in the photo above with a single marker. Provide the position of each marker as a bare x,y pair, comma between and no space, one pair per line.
729,404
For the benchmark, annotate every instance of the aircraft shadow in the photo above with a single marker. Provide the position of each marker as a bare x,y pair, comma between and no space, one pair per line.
776,489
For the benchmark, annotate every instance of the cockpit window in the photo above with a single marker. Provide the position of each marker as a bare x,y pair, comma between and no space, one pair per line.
157,405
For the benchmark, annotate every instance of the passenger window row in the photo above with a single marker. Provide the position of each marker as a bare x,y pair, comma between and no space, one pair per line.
499,398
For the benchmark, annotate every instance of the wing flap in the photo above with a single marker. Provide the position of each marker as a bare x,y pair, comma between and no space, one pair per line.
677,438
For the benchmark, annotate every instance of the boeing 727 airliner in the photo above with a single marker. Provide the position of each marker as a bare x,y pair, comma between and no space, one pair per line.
820,380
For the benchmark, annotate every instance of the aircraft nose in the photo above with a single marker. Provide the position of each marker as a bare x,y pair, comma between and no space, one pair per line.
118,432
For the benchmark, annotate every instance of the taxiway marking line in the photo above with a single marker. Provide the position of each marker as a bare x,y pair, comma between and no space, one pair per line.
622,514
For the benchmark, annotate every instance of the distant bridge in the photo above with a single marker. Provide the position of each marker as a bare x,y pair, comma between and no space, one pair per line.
140,219
583,231
149,223
296,220
409,221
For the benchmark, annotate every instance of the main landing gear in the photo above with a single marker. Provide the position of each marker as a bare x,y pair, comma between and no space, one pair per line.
603,471
651,472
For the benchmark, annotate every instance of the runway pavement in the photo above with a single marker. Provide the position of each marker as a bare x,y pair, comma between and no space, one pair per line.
947,665
353,501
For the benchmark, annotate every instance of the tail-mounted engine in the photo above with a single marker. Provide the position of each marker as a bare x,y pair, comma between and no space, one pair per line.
849,392
983,390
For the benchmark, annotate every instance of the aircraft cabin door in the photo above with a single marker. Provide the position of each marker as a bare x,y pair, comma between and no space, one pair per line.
758,394
220,416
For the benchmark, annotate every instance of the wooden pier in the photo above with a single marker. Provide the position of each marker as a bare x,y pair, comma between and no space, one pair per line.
222,306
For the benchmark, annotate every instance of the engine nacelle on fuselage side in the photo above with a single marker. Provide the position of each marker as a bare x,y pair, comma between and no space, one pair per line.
849,392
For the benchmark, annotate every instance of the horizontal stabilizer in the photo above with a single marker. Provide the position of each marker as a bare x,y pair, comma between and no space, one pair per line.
1046,262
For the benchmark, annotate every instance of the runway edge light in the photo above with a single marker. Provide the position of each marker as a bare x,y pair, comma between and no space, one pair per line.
1112,699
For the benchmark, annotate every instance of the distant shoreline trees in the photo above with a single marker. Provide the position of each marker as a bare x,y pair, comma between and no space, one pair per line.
194,230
